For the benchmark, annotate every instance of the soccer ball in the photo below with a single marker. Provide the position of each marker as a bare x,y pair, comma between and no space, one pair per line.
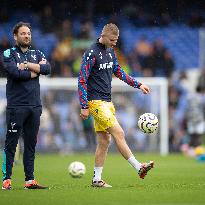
76,169
148,123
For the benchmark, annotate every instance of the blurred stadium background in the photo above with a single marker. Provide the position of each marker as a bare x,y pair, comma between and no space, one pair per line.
159,39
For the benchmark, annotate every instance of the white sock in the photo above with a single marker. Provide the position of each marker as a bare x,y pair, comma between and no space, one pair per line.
97,173
29,181
134,163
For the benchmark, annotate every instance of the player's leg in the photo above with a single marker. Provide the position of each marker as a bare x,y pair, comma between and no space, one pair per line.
118,134
31,127
103,139
104,116
100,111
17,154
14,120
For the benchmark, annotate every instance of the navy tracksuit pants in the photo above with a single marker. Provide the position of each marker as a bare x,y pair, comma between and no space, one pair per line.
26,121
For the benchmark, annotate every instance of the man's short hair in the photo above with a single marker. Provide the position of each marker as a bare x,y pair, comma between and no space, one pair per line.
110,28
19,25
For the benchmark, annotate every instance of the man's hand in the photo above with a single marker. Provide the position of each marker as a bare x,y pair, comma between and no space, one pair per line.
42,62
21,66
145,89
84,113
33,74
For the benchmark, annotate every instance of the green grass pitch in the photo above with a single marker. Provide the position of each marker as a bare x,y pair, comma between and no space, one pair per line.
174,180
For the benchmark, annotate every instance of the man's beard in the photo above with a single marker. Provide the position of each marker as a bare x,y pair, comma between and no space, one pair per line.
24,45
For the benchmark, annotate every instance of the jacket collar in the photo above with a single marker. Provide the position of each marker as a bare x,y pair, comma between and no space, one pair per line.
19,49
100,44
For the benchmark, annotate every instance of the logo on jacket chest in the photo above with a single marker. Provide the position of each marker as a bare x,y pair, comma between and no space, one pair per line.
34,57
106,65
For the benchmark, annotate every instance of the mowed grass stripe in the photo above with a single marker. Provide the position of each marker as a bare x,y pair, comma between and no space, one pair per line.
174,180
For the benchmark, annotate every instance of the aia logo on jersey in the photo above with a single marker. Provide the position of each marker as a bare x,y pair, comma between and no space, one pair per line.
106,65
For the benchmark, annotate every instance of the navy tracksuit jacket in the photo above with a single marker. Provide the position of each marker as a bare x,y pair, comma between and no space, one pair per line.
95,76
23,108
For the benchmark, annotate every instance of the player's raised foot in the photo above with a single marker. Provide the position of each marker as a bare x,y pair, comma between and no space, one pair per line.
6,185
101,184
32,184
145,168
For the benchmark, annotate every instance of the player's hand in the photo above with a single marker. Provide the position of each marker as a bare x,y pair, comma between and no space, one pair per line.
21,66
33,74
84,113
42,61
145,89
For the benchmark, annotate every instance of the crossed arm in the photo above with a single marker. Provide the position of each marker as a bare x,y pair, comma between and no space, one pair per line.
41,68
25,71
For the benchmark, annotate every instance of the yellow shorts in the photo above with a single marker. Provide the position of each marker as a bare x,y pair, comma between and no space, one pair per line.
103,113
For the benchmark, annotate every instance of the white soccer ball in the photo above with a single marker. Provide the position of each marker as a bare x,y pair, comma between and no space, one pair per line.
76,169
148,122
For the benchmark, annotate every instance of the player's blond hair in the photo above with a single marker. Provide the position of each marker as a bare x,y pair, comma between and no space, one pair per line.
111,29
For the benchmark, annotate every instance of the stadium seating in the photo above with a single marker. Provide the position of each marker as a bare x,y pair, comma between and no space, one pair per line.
181,40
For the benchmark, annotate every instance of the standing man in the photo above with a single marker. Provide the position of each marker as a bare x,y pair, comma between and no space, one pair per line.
23,67
94,86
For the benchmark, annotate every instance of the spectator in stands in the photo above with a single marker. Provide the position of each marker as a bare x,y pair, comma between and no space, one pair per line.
138,57
142,49
168,64
154,60
193,114
86,30
47,19
196,20
130,10
149,67
4,14
195,118
159,52
65,30
174,125
4,44
61,57
56,65
165,19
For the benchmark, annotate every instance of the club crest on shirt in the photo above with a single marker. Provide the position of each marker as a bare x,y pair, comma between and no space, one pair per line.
34,57
12,127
